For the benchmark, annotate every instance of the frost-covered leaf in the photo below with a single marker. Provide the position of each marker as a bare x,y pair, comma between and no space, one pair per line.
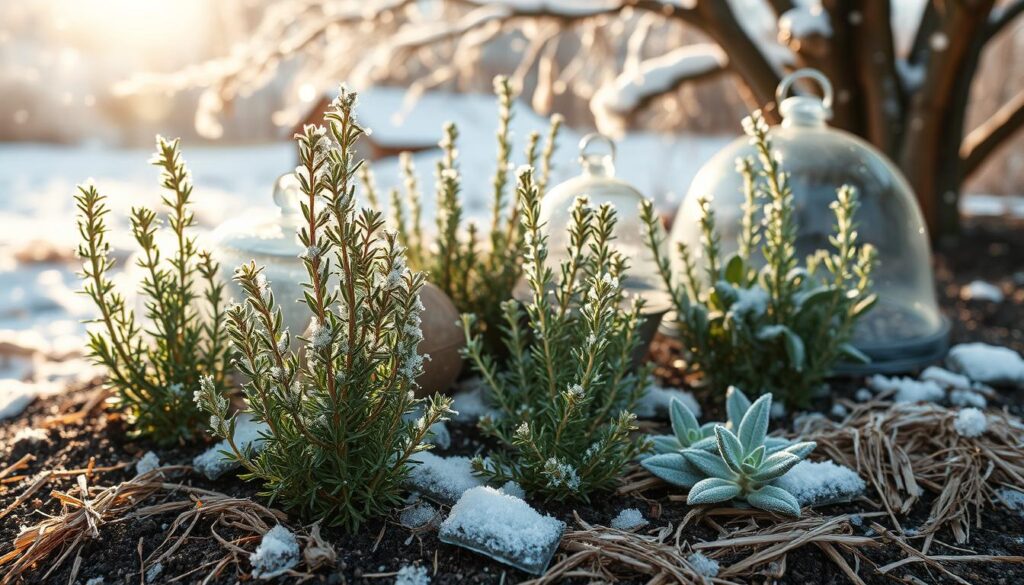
736,405
673,468
730,448
854,354
713,490
775,466
774,499
802,449
754,425
684,423
666,444
710,464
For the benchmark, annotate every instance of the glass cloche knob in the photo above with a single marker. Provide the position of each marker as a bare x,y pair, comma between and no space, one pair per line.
598,183
905,329
287,193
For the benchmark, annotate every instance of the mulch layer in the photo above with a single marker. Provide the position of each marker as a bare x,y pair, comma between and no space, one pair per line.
990,252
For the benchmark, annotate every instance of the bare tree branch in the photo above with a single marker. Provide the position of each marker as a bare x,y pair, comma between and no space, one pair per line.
990,135
876,68
1002,16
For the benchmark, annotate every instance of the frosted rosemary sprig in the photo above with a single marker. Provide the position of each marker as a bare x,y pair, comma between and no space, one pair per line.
154,368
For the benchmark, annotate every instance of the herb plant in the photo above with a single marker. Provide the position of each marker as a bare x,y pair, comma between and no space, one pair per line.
718,463
476,272
782,327
156,362
338,441
566,394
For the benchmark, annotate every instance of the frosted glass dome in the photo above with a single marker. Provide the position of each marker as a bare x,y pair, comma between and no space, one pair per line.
598,183
905,329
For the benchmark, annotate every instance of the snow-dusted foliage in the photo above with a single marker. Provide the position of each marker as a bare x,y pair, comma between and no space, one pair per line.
568,387
155,361
338,442
476,270
504,527
782,327
277,552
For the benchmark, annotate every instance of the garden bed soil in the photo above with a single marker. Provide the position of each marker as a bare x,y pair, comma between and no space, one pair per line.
988,252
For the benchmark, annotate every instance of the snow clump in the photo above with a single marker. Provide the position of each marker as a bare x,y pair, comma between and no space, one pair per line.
815,483
442,478
988,364
656,400
979,290
628,519
412,575
277,553
704,566
970,422
248,433
148,463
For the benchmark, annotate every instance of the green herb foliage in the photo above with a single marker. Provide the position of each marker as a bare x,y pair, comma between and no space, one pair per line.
477,273
566,395
782,327
154,363
338,440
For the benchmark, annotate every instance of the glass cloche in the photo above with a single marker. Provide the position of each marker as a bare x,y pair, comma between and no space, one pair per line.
270,238
598,183
905,329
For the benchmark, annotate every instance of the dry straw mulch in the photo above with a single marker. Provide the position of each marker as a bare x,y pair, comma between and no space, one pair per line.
903,450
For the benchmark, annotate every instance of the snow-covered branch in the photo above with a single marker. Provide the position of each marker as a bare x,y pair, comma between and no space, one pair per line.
616,100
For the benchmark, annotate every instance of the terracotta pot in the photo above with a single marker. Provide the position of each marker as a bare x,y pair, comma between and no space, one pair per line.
442,340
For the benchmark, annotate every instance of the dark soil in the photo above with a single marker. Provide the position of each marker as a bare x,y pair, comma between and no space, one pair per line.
991,253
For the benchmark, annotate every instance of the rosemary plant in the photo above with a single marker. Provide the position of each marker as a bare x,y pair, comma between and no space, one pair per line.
565,397
782,327
338,443
477,273
154,363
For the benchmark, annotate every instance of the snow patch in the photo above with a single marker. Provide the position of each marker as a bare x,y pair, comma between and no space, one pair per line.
148,463
656,400
503,527
839,411
470,403
248,434
439,435
970,422
412,575
704,566
1011,498
31,435
907,389
628,519
95,581
945,378
863,395
988,364
153,572
15,395
818,483
442,478
277,553
513,489
979,290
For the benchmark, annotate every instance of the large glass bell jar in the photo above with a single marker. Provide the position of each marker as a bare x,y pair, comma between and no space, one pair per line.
905,329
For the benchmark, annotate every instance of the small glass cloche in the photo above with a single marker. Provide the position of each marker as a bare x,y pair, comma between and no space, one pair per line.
905,329
270,238
598,183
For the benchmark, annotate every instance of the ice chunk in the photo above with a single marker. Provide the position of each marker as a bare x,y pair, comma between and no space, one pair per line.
988,364
970,422
818,483
212,463
504,528
907,389
421,514
148,463
655,401
277,553
31,435
704,566
153,572
412,575
1012,499
979,290
628,519
442,478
